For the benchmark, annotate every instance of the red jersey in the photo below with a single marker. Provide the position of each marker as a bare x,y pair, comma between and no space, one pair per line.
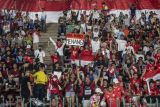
55,59
153,91
157,56
118,90
53,86
110,98
127,96
149,66
136,47
74,53
86,55
28,59
70,87
15,73
158,91
137,91
98,56
133,81
145,91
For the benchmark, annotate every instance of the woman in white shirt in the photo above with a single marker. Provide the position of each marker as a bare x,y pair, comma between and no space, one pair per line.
36,39
6,27
95,44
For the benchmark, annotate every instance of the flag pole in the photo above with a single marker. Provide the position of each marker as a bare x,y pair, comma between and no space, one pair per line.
149,90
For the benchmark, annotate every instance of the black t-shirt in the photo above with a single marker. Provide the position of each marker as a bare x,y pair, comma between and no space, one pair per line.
11,84
133,10
24,85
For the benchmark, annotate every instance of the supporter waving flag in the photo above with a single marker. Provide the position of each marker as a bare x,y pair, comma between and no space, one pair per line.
152,74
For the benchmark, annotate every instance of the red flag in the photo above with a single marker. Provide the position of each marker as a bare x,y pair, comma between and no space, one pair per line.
152,74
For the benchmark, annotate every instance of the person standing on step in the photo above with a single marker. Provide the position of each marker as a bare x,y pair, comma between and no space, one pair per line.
43,20
59,47
35,36
39,54
25,87
40,80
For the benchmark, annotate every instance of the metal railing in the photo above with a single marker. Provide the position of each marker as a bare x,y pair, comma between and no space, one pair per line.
133,101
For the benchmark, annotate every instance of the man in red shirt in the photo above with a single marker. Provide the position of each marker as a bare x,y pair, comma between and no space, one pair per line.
118,90
158,88
134,79
152,88
110,97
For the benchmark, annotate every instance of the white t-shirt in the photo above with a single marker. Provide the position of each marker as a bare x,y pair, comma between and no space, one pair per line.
40,55
83,26
95,46
130,49
115,32
35,38
58,49
138,56
145,49
95,15
6,28
121,44
95,34
108,53
126,22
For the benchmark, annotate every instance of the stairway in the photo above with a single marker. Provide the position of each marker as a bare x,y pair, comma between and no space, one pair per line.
51,32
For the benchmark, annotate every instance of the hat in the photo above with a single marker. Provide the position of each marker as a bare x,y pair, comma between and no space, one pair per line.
28,46
115,80
98,90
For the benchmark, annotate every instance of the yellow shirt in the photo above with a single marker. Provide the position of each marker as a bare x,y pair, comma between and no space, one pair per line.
40,77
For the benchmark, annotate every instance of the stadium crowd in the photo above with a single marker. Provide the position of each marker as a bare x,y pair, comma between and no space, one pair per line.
123,49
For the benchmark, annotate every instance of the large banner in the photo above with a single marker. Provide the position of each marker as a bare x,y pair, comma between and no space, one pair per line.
75,39
54,8
61,5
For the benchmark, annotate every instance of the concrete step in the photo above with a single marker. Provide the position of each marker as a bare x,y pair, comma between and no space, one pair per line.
51,32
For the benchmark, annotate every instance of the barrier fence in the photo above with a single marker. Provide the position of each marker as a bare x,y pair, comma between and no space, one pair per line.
135,101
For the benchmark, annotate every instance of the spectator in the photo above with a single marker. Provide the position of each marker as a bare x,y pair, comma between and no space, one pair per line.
118,50
39,54
43,20
26,90
36,39
96,98
59,48
40,82
110,97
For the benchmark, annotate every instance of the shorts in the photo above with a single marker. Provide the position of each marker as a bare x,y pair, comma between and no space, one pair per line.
70,94
80,99
25,95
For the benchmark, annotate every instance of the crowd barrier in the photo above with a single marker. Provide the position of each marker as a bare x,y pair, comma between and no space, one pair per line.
134,102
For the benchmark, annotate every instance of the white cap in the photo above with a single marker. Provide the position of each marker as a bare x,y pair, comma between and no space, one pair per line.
98,90
115,80
28,46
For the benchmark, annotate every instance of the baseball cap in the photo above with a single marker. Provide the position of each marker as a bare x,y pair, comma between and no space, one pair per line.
98,90
115,80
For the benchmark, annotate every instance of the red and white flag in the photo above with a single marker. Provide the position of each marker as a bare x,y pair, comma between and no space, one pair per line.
86,58
54,8
152,74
